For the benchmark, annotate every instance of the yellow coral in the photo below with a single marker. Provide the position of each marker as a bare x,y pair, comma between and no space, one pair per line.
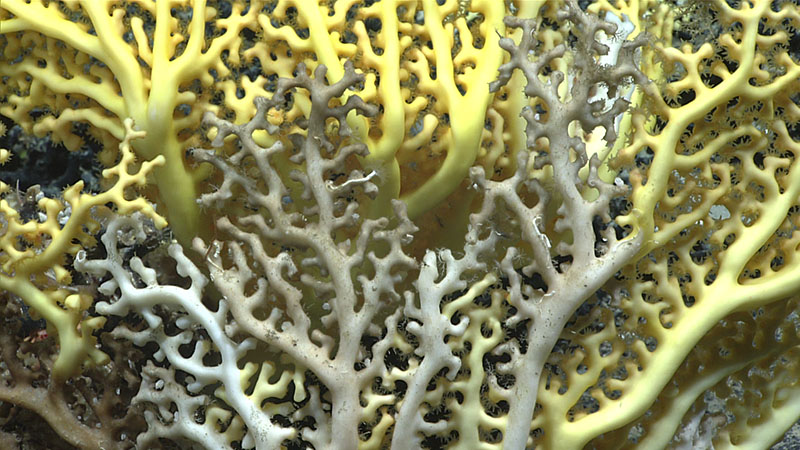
33,251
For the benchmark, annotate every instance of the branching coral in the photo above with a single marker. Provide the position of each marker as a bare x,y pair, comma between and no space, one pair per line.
38,236
190,313
576,248
718,152
102,62
311,223
615,263
320,284
428,64
91,411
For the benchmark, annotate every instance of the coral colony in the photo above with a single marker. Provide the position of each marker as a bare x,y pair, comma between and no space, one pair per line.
399,224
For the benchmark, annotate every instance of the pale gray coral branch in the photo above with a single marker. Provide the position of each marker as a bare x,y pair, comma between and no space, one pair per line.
325,274
191,313
579,258
432,329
